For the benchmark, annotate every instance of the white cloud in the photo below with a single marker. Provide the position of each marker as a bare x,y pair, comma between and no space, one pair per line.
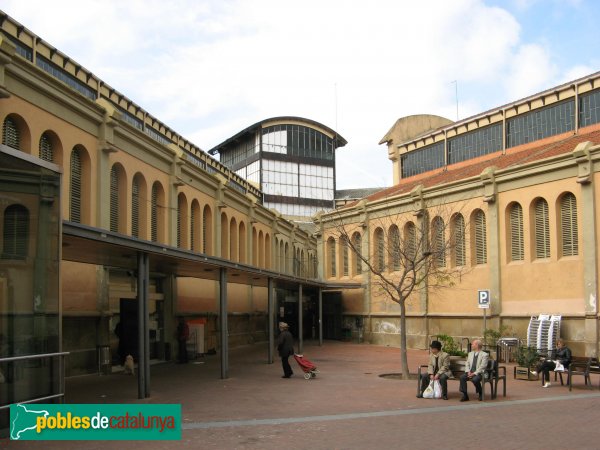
531,70
210,68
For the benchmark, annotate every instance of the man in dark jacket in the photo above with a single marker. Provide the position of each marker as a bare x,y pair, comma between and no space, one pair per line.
285,347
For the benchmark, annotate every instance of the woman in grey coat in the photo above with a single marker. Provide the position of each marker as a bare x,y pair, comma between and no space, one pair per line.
285,347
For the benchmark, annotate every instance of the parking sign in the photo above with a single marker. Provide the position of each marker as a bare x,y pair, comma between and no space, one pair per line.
484,299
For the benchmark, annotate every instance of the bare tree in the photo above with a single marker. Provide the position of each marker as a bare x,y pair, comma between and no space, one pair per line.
409,254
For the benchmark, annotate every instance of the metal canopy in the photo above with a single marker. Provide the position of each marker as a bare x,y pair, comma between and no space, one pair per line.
81,243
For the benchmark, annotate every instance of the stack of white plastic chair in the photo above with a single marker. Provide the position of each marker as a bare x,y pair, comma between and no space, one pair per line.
543,331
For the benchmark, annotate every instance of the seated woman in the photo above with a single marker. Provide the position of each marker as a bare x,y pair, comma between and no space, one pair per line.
562,354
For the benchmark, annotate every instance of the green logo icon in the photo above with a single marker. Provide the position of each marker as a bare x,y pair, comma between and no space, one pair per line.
95,422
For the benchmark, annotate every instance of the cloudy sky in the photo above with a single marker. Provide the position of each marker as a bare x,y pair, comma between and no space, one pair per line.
210,68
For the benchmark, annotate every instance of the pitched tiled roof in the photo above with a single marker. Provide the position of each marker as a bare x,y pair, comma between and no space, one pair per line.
513,157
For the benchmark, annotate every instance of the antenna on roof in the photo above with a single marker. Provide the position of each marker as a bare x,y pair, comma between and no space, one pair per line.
336,105
456,96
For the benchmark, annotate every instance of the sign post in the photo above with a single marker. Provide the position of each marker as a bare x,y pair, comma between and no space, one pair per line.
483,301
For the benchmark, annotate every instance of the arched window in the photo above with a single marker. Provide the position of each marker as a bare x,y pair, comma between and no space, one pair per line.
15,232
568,223
224,236
75,187
542,229
357,242
233,240
261,249
517,246
332,265
195,236
480,237
182,221
242,241
379,250
286,256
207,230
267,251
281,257
395,251
157,213
114,199
46,148
410,243
139,207
438,240
135,208
459,241
345,259
10,134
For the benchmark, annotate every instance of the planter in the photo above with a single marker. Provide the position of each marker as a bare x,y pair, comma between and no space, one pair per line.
524,373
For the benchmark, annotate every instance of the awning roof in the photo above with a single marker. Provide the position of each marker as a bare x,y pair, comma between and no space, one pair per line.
85,244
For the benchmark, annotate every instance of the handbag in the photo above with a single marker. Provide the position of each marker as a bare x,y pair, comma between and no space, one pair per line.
429,390
558,366
437,389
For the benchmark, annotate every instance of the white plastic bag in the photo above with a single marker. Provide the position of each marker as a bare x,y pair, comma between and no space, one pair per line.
437,389
559,367
429,390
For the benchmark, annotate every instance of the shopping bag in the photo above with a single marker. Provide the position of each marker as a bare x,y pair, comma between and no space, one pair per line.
437,389
559,367
428,392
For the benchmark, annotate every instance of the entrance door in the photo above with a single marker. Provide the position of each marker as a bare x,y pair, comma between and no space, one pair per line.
128,329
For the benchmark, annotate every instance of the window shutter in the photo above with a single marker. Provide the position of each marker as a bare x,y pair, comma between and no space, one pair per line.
394,250
75,197
135,209
459,240
154,215
332,264
410,243
346,267
10,134
16,232
46,151
114,200
357,246
379,242
568,222
517,247
439,243
542,229
193,229
179,224
480,238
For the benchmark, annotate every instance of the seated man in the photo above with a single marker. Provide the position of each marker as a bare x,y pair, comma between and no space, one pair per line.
438,369
474,370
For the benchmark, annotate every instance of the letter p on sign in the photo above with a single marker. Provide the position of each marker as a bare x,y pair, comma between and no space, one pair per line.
484,299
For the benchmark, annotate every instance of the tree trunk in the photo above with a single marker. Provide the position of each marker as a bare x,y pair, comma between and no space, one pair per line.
403,354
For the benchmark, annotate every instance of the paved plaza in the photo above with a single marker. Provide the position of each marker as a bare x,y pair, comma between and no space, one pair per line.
348,406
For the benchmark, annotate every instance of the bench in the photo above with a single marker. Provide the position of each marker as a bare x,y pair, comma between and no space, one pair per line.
580,365
493,375
583,366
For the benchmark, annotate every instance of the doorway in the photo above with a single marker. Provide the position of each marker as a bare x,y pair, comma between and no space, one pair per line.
127,329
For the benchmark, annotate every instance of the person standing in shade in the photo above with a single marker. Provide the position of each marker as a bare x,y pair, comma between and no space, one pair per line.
182,334
438,369
474,370
285,347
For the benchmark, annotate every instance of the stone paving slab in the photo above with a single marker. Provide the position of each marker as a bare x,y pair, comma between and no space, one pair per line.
348,405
